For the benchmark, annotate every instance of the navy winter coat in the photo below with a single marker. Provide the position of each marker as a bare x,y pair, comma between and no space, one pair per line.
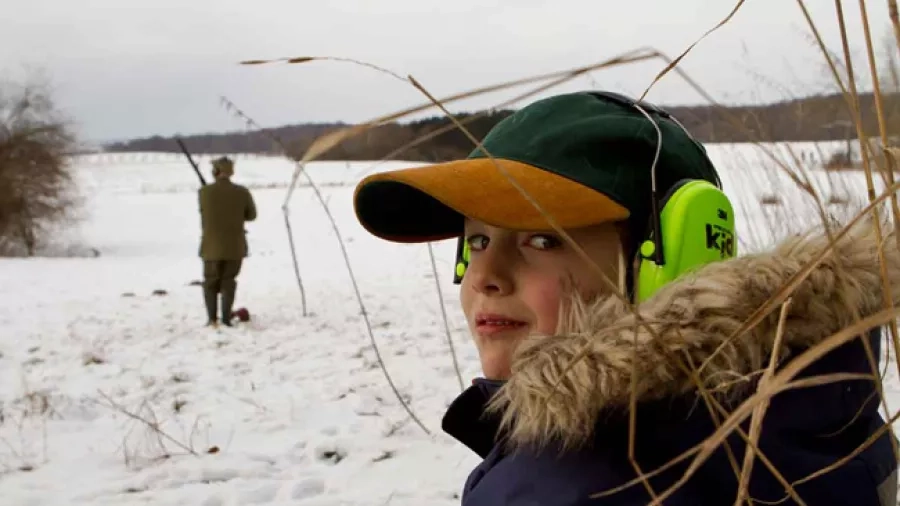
563,432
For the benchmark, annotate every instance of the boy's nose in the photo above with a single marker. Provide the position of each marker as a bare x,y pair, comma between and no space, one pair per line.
493,287
491,275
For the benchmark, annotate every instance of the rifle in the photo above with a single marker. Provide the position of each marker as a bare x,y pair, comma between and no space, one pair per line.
191,160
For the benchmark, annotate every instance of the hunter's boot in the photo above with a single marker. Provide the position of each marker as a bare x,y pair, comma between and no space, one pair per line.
228,291
211,299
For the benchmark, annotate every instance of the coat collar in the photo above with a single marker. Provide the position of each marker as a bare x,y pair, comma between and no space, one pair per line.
468,421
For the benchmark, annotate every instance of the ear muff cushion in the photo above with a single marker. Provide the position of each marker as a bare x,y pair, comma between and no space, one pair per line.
697,228
672,190
462,260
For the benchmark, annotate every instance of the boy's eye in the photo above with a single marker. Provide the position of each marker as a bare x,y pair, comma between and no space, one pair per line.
477,242
544,242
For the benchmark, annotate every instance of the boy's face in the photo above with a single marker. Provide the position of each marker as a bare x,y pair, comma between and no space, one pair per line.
516,282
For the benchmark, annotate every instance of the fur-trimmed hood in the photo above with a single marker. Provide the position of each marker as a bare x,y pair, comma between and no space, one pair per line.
560,385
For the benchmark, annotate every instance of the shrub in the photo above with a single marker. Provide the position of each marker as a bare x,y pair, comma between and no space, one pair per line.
35,178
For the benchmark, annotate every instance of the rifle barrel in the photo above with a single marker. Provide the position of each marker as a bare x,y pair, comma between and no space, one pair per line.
191,160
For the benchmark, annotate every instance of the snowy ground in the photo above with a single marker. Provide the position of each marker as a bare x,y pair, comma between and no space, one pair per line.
287,409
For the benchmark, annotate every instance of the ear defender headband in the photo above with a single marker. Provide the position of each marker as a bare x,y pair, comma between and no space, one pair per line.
691,226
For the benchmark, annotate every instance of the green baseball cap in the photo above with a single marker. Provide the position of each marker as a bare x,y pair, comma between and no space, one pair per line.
584,157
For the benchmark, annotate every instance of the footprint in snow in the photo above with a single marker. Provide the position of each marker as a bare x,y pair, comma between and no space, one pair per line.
260,495
330,454
213,501
307,488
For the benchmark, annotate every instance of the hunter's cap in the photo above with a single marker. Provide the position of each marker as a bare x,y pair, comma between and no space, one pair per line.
223,165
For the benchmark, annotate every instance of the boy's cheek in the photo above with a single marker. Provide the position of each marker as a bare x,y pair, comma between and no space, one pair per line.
543,298
496,357
465,299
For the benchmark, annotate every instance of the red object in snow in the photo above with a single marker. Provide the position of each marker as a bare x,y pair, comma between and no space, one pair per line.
241,314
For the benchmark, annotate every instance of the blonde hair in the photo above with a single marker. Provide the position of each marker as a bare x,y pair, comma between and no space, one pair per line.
573,304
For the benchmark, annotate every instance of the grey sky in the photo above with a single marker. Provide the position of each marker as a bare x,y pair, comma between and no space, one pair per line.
128,68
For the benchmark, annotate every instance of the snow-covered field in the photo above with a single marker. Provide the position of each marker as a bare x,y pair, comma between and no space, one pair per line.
285,409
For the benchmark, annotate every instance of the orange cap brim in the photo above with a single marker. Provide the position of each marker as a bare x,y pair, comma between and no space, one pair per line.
478,189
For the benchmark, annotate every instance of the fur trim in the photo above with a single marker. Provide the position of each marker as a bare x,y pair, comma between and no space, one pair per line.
560,384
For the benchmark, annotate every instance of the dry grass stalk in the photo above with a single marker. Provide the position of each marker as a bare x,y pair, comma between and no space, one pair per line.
353,281
789,287
27,414
895,20
674,63
152,425
760,410
871,197
864,141
780,383
434,271
328,141
887,168
852,103
295,263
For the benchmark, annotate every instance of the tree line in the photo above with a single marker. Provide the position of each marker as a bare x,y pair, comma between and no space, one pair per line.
814,118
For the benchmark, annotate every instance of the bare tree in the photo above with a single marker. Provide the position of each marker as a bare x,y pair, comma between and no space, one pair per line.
35,182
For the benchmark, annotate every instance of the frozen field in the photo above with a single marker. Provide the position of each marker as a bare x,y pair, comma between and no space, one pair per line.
285,409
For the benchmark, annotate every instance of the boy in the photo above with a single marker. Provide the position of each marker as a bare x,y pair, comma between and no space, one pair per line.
560,351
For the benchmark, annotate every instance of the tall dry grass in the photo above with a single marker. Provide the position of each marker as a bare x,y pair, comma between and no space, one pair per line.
787,169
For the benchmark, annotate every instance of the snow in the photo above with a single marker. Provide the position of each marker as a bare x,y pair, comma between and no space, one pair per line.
285,409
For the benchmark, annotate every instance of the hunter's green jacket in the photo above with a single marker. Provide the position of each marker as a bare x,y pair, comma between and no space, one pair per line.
224,207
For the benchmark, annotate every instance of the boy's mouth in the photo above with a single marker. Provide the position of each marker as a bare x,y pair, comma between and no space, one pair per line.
489,324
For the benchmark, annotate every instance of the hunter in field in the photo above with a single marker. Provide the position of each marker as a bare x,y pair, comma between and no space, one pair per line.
224,208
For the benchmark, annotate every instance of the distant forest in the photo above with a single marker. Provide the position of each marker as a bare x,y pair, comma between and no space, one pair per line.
814,118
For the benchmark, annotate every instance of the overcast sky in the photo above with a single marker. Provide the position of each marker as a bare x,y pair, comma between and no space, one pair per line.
130,68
